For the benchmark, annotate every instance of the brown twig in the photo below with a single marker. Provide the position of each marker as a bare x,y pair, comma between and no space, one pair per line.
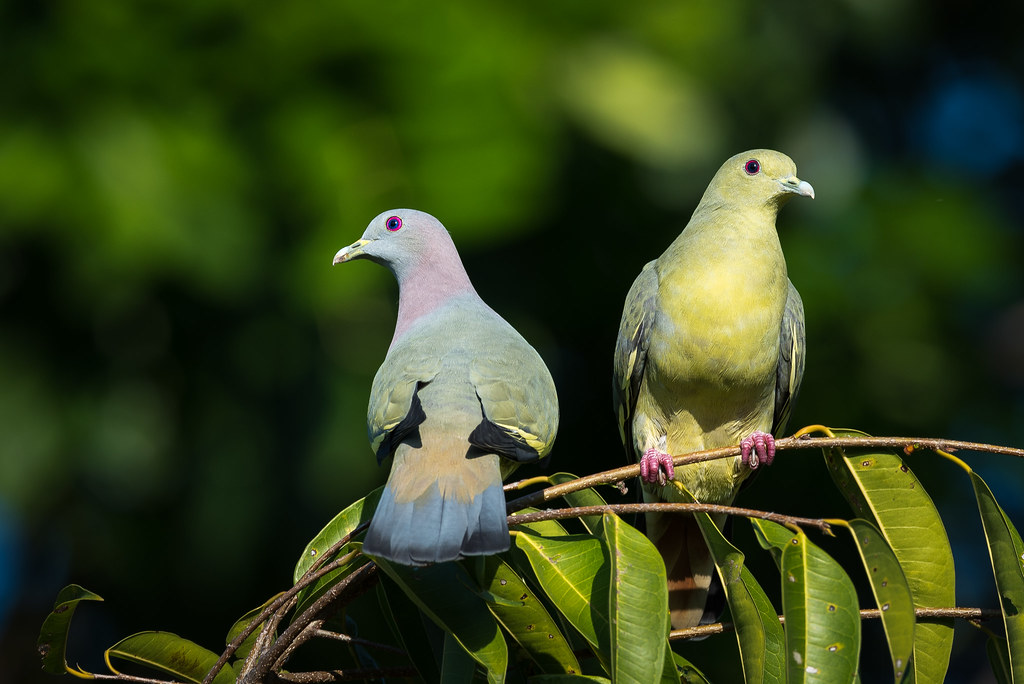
290,638
620,509
970,614
283,602
630,471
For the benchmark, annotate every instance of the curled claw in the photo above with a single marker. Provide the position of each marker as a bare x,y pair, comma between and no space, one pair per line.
756,447
656,466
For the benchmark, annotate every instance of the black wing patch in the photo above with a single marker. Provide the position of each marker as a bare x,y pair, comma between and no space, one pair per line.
495,439
407,430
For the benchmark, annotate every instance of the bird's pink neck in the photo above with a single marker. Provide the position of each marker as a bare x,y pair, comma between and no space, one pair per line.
427,286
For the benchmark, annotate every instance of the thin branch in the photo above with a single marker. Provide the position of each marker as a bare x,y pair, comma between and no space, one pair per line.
906,444
269,658
120,677
579,511
970,614
325,634
283,602
353,675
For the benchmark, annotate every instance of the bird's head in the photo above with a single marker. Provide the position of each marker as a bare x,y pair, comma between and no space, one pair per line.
761,177
399,239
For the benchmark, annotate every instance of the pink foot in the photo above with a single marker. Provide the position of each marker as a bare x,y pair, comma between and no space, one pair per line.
656,466
758,446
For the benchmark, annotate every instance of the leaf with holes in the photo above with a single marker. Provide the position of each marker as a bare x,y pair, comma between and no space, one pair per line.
53,635
525,617
573,571
822,615
880,486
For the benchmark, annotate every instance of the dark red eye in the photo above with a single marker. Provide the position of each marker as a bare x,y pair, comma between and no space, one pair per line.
394,223
752,167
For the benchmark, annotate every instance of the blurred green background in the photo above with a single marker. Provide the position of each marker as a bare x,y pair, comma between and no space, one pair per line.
183,375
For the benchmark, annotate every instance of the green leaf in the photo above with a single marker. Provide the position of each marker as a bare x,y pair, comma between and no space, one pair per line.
53,635
573,571
525,617
688,672
1007,554
999,657
171,654
879,485
456,664
758,632
241,624
822,615
638,603
341,525
568,679
449,597
408,626
891,592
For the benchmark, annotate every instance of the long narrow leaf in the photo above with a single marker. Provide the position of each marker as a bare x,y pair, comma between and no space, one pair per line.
1006,552
758,632
573,571
525,618
822,615
409,627
53,635
891,591
169,653
638,598
879,485
446,594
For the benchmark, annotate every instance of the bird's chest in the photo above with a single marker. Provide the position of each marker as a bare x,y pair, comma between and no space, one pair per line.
717,333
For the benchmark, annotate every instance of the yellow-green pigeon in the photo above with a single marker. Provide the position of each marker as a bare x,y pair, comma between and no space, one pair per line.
710,353
460,400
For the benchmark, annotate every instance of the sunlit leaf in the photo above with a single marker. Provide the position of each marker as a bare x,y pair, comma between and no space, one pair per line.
525,617
758,632
880,486
53,636
891,591
638,603
573,571
448,595
171,654
822,614
1007,553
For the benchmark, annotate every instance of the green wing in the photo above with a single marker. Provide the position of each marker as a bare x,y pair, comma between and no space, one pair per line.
792,352
631,350
519,403
394,408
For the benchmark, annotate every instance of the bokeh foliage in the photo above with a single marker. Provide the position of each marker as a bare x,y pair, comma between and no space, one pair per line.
185,376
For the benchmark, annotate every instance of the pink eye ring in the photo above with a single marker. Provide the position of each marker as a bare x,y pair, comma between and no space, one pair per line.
393,223
752,167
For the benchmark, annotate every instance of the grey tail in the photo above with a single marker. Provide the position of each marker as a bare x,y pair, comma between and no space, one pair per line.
435,529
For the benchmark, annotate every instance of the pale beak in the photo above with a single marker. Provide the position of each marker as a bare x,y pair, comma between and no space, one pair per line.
794,184
351,252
